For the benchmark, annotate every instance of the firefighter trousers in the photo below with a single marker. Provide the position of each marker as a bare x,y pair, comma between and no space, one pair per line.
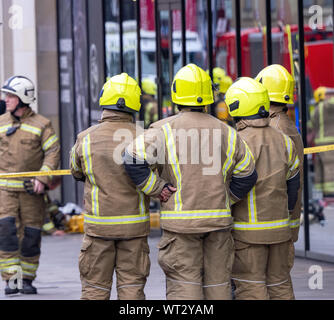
262,271
98,259
197,266
21,220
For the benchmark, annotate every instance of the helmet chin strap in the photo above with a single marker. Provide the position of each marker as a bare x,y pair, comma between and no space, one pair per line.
18,106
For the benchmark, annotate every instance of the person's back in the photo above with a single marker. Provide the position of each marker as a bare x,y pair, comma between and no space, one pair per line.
200,154
280,85
262,220
109,192
280,120
266,209
202,167
116,223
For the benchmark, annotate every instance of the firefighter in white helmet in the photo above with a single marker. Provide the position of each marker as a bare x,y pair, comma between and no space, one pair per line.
27,143
196,248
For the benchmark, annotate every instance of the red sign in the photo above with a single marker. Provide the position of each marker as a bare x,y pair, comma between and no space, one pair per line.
147,21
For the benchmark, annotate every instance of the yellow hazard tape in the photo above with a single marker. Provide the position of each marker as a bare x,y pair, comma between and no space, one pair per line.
36,174
68,172
319,149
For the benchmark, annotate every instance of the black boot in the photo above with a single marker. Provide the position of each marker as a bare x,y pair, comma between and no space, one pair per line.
27,287
9,290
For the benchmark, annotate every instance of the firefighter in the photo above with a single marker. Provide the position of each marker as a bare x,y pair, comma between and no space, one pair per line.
222,83
117,219
280,85
148,101
322,133
261,221
196,197
27,143
319,94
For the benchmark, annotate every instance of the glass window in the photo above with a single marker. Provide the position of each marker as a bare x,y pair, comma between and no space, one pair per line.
129,38
148,62
197,33
320,108
111,16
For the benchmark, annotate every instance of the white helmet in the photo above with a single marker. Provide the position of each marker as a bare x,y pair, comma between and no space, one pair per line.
22,87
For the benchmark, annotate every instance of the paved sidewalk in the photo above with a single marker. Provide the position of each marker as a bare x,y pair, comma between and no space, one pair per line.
321,237
58,276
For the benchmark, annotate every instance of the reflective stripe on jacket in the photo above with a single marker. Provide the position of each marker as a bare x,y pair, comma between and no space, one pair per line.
199,155
34,146
114,206
263,216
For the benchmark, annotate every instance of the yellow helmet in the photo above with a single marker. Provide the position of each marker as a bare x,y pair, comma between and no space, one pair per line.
319,94
279,83
218,75
247,98
225,84
149,87
192,86
121,93
221,78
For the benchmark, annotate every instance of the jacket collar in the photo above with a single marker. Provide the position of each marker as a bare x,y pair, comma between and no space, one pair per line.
275,110
28,113
192,109
257,123
115,116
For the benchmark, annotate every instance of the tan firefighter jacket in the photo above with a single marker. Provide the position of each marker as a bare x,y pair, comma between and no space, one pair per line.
323,128
322,122
281,121
203,158
34,146
114,207
263,216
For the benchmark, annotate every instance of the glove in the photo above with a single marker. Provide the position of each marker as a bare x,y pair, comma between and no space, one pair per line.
29,186
167,185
